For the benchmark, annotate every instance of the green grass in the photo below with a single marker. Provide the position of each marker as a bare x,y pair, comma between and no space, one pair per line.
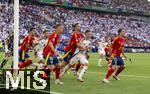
135,79
129,84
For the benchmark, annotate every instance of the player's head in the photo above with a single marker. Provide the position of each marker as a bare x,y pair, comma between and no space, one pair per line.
32,31
121,32
46,33
106,39
88,34
76,27
59,28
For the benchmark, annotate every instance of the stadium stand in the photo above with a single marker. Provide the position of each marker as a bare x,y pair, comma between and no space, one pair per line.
101,24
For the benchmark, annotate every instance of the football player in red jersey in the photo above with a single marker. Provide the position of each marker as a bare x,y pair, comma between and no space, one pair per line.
50,54
117,64
74,43
28,42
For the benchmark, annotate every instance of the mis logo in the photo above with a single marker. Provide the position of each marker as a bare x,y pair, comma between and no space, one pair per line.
27,79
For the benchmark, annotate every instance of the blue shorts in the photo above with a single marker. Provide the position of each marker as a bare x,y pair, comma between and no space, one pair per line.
67,56
117,61
23,56
51,60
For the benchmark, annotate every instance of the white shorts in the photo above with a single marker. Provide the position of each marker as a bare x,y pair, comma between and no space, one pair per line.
40,55
79,57
102,52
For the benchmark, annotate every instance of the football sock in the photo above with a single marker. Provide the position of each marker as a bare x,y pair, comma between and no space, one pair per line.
120,69
64,70
83,70
99,62
109,73
57,73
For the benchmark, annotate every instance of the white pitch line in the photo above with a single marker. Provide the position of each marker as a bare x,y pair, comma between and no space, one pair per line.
134,76
51,92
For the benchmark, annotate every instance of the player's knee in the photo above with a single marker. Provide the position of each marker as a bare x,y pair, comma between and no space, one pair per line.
114,67
85,66
57,66
123,66
62,64
70,65
50,67
100,56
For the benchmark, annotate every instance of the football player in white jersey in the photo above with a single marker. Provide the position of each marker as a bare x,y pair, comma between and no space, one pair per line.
83,54
80,56
101,51
41,44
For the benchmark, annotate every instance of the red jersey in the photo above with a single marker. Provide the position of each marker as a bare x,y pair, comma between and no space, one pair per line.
117,46
27,43
76,38
54,38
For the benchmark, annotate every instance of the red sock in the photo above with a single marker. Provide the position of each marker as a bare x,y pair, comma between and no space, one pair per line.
77,67
120,69
44,75
109,73
25,64
57,73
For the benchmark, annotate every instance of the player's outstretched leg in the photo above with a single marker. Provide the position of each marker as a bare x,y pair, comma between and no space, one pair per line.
83,70
77,67
57,70
119,70
3,63
64,70
5,60
25,64
109,73
57,74
70,63
100,60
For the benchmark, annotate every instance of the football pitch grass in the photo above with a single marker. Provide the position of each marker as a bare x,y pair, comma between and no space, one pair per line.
135,79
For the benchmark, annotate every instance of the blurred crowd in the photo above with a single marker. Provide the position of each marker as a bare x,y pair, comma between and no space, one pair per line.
6,20
129,5
102,25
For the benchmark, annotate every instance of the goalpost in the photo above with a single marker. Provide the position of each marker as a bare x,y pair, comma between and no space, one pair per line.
16,37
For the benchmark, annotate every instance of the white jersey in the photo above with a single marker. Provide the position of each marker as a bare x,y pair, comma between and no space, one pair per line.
102,46
85,44
81,55
40,48
42,44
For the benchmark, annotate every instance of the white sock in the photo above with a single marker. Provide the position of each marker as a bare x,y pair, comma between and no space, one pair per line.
83,70
99,61
64,70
